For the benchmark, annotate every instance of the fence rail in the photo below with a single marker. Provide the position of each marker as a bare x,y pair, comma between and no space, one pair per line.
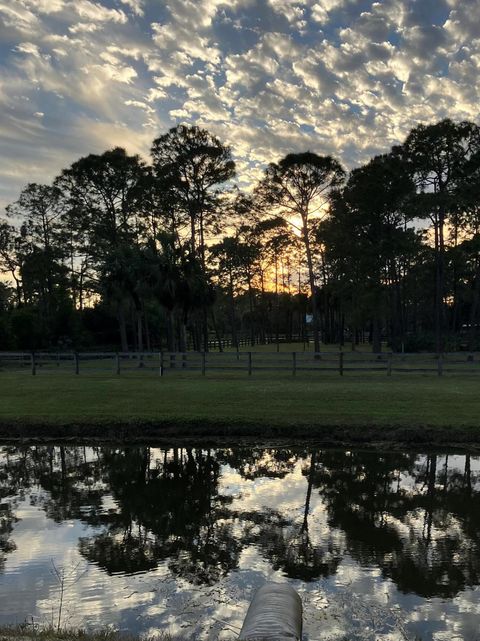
247,363
246,341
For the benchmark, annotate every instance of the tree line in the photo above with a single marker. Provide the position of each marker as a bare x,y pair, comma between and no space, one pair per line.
171,254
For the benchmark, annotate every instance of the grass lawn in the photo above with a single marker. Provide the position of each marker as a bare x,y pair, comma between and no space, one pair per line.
266,399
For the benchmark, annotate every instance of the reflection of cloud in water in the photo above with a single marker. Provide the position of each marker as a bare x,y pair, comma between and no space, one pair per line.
256,508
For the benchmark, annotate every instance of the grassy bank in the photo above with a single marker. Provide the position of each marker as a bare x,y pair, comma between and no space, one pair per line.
28,633
333,408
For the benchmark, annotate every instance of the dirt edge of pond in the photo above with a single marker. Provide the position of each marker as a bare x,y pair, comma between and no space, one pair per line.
217,433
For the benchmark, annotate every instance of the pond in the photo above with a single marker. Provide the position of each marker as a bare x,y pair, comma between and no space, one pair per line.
380,545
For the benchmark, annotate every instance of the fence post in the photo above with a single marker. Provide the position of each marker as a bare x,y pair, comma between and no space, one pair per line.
76,362
249,363
440,365
389,365
117,363
294,363
161,363
33,363
340,363
204,363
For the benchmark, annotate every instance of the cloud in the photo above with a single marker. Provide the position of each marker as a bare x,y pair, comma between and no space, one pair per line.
293,11
15,14
98,12
84,27
44,6
322,9
136,6
267,76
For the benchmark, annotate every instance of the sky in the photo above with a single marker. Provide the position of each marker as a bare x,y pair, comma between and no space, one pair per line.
342,77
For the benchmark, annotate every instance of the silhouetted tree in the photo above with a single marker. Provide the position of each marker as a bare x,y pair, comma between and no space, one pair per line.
298,186
441,158
368,240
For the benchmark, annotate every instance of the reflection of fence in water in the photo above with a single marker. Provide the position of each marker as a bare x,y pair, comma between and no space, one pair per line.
245,363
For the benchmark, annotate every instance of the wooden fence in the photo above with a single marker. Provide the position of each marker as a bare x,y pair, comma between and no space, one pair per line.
245,341
246,363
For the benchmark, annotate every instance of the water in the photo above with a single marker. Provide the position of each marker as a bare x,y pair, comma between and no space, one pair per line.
380,546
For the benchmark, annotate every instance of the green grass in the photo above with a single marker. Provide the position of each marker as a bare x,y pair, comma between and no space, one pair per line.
263,399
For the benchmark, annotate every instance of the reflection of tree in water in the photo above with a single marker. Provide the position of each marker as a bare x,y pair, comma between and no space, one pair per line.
417,518
15,478
117,553
70,480
425,538
288,546
7,521
285,543
253,463
442,554
171,510
73,484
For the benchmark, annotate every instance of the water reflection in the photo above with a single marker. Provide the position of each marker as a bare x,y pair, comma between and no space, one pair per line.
408,524
417,522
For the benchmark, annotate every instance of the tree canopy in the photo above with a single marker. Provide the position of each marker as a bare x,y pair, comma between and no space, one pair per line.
169,253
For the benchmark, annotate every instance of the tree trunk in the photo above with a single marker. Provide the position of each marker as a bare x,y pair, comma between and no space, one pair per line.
170,331
122,327
376,334
182,339
439,281
192,234
277,305
202,244
474,309
309,492
205,328
455,277
232,314
250,304
217,333
311,280
431,498
467,476
139,330
147,331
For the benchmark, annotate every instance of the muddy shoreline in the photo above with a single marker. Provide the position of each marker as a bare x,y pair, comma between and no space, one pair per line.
220,434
